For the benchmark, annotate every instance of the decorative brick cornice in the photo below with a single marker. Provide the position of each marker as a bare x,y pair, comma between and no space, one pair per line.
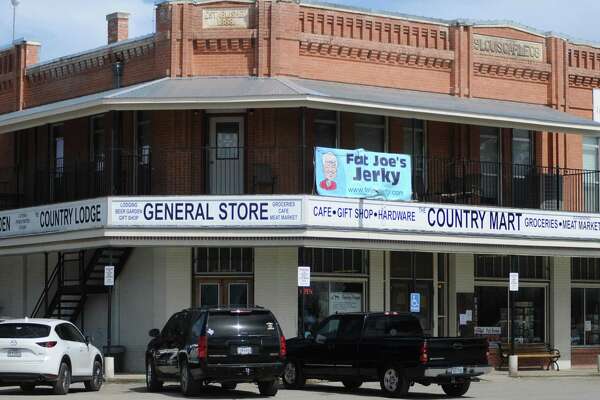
586,81
514,70
379,53
90,61
240,45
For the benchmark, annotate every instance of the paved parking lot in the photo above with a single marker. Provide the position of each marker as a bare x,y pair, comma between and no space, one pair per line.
498,387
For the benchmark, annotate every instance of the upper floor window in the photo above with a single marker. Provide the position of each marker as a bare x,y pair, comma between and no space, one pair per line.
326,128
58,149
144,136
369,132
522,147
591,178
97,142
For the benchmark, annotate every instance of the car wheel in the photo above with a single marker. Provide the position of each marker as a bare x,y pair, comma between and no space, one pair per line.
27,387
189,386
393,382
63,383
293,378
352,384
229,386
456,389
267,388
152,382
97,380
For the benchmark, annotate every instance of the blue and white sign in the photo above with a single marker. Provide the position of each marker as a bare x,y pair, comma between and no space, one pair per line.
206,212
362,174
415,302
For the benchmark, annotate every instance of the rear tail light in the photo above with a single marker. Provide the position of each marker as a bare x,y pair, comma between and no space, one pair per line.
47,345
424,357
282,347
203,347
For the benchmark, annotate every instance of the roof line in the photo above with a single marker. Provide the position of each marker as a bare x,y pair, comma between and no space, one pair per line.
135,87
68,57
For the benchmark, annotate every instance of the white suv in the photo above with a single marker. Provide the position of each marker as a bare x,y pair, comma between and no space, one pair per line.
47,352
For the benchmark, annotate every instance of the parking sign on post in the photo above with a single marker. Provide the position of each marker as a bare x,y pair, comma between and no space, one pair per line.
514,281
109,275
415,302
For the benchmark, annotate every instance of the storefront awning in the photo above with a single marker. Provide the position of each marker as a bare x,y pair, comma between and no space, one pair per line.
279,92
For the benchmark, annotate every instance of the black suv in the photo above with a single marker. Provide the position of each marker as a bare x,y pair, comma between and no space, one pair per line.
224,345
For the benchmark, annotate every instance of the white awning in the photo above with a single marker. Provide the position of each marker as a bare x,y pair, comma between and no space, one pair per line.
214,93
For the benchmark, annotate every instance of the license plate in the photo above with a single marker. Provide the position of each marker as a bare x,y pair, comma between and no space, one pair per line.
457,370
244,351
14,353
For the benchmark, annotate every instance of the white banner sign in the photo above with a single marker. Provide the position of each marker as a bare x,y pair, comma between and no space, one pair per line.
194,212
64,217
452,219
488,330
205,212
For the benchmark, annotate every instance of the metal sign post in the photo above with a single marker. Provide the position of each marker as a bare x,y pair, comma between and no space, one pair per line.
109,281
303,282
513,286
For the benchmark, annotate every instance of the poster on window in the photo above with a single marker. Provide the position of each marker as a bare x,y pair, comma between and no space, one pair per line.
342,302
363,174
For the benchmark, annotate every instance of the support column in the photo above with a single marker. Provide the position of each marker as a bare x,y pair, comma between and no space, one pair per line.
276,285
12,286
376,281
461,276
560,309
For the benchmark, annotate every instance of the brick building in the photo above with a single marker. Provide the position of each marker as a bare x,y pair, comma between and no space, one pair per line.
219,111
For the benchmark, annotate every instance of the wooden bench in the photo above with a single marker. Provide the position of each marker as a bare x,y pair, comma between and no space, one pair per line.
529,351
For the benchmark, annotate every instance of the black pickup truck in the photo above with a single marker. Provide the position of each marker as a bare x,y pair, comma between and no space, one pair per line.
386,347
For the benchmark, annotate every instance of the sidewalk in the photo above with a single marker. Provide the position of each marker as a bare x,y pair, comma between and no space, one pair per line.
536,373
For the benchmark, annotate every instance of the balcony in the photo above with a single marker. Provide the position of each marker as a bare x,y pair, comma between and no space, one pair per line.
289,170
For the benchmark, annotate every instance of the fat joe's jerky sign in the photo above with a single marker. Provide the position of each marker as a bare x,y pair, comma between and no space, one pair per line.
502,47
362,174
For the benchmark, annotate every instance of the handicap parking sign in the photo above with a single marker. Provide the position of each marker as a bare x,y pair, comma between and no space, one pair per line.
415,302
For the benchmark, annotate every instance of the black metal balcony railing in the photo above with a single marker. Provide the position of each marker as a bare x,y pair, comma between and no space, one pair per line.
289,170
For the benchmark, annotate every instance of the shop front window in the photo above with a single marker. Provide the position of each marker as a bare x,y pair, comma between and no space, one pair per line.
412,273
325,298
585,302
338,284
528,313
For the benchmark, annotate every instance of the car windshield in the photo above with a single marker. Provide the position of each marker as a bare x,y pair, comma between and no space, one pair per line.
23,331
251,324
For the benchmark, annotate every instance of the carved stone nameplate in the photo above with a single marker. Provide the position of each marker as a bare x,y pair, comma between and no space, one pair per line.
225,18
502,47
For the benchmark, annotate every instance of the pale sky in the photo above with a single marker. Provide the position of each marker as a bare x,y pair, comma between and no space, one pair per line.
69,26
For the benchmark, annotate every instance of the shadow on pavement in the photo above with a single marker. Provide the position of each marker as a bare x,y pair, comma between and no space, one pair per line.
208,392
372,392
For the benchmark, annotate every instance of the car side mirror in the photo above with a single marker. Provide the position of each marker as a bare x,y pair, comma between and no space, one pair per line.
88,340
320,339
154,333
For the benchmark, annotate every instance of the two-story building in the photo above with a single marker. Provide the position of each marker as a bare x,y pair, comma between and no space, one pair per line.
185,158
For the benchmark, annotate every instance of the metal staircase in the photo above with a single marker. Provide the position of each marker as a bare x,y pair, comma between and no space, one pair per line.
72,280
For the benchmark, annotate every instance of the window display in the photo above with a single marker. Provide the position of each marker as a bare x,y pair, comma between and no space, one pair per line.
585,316
325,298
491,311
